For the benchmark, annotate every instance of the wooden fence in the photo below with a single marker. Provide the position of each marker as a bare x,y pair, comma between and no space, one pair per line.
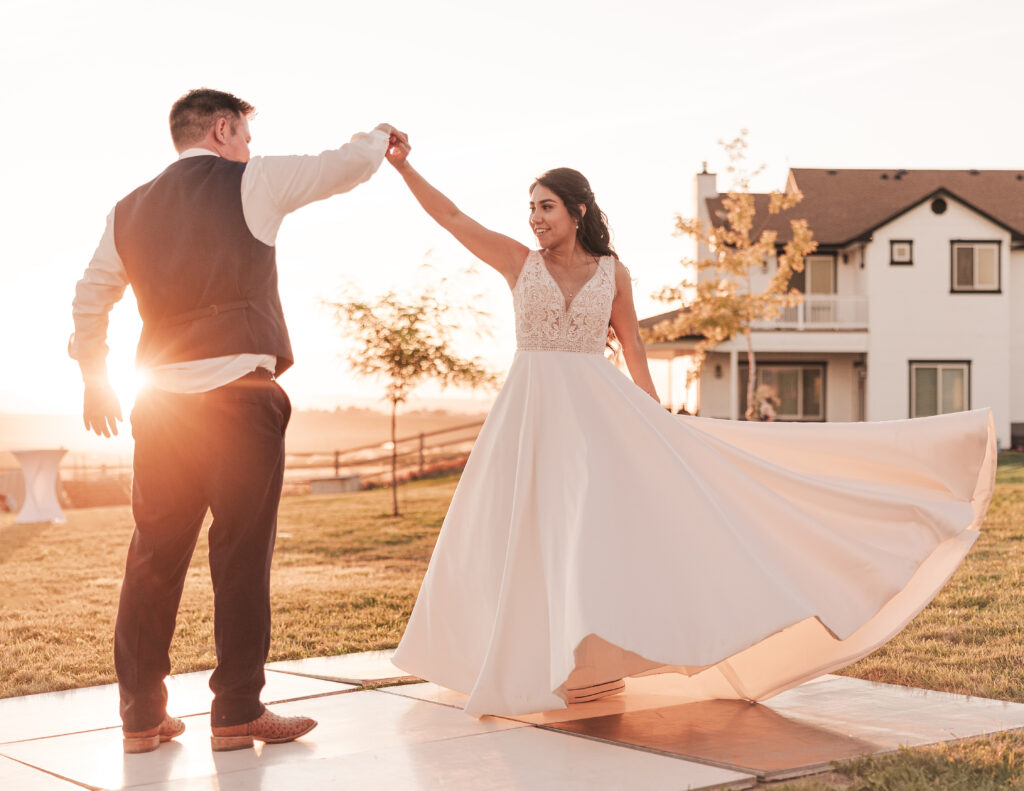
84,484
418,455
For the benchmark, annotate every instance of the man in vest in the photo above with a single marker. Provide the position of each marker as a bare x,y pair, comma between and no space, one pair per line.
197,246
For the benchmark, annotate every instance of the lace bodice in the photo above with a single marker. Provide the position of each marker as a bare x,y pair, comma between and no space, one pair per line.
542,321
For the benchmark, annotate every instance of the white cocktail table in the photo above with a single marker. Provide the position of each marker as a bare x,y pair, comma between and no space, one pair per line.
40,468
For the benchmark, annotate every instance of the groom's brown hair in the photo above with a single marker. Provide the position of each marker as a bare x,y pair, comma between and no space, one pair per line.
195,112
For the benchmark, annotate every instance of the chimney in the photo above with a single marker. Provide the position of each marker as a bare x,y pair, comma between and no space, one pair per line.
705,186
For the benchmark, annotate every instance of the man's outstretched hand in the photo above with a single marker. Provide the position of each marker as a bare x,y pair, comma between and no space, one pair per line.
394,134
102,410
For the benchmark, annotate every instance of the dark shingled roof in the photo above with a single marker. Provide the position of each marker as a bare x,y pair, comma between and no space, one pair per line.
651,321
842,206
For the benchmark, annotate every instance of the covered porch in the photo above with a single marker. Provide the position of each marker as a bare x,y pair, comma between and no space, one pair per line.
810,376
671,367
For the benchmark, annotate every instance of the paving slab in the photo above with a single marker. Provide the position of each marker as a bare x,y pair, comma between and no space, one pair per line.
367,667
429,692
18,777
730,733
895,716
357,722
802,731
417,736
799,732
521,759
90,708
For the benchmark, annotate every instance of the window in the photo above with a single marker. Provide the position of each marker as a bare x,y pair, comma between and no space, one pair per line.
821,274
817,282
901,252
818,275
975,266
937,388
795,391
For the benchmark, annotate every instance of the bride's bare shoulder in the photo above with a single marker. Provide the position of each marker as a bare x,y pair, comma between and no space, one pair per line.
623,279
516,272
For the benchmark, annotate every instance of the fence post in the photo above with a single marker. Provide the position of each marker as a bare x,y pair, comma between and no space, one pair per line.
421,454
337,455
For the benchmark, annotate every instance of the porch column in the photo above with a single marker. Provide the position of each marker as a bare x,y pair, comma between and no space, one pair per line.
734,385
671,360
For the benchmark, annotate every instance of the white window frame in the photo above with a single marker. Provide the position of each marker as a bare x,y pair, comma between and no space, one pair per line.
940,366
975,287
894,246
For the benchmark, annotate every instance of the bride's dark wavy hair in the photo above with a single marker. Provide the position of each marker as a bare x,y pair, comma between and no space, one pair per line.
573,188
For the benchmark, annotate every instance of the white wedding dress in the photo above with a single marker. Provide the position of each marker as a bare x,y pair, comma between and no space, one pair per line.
595,536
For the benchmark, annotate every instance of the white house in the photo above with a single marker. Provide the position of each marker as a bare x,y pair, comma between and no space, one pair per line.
914,301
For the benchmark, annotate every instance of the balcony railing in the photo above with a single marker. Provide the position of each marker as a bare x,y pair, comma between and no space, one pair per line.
821,312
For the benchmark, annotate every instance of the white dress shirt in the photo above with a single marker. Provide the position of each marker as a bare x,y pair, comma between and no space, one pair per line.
272,187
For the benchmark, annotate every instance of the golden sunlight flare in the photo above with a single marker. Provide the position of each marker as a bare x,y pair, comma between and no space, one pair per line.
127,381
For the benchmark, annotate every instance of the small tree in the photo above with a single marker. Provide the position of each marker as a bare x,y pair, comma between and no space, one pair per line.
721,307
406,343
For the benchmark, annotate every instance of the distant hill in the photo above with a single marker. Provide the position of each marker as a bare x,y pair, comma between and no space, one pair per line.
309,431
315,430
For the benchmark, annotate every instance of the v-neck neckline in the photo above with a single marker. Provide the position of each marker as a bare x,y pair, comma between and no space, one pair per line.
566,307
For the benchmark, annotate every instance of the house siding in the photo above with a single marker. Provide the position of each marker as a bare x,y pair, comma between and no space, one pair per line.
840,381
841,390
1016,308
913,315
714,391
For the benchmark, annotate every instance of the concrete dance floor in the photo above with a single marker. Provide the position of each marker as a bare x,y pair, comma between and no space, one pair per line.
377,730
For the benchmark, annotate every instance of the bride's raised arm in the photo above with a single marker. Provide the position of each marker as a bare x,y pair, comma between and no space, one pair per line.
494,249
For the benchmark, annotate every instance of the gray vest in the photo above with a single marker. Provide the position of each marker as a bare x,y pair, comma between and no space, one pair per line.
205,286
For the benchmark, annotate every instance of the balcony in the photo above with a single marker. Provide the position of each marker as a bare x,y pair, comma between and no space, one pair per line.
821,312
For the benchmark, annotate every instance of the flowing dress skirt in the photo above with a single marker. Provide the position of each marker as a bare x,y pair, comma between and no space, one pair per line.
594,536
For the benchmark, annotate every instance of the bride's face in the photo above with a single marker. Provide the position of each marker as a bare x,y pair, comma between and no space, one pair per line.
549,219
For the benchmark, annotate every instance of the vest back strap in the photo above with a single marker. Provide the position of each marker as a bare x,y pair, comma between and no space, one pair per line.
207,312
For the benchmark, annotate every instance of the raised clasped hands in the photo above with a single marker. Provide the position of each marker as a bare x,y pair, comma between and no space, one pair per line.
396,139
398,148
101,409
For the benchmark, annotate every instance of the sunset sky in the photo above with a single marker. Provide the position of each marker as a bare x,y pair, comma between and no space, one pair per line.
634,94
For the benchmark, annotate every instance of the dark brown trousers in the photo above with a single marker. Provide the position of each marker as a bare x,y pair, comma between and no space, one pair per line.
221,451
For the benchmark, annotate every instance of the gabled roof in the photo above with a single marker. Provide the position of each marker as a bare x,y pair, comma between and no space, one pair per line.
652,321
842,206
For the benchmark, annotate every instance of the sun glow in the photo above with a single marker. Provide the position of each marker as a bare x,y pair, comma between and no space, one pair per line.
127,381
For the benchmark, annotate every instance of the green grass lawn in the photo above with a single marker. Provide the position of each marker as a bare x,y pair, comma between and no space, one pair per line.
970,639
346,574
345,577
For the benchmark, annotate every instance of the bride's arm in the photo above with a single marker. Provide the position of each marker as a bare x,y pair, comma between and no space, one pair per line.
627,329
495,249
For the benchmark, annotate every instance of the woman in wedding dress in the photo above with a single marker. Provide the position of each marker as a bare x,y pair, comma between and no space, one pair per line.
595,536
